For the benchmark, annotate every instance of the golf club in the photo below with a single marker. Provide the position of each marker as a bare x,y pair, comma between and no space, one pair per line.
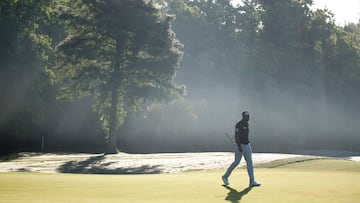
228,136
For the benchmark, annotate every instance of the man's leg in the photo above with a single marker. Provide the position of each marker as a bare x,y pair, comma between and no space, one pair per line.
249,165
233,165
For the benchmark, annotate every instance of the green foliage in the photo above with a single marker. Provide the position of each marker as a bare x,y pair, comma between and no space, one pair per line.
282,39
123,53
271,52
285,23
20,23
24,50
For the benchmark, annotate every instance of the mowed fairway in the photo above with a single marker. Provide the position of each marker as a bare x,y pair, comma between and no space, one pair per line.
310,181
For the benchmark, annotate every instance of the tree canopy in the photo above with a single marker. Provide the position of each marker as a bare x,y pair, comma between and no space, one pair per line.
115,67
123,53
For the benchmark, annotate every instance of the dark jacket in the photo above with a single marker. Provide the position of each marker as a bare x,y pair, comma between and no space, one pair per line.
242,133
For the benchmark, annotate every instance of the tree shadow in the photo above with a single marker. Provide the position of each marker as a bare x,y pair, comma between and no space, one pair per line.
10,157
19,155
328,153
93,165
235,196
15,156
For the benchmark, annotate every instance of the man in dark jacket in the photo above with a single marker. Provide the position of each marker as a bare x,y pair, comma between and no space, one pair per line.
243,148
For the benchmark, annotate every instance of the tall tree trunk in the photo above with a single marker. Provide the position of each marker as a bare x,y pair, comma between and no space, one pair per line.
114,117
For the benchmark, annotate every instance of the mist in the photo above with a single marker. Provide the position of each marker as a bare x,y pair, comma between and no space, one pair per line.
279,123
291,67
298,99
286,116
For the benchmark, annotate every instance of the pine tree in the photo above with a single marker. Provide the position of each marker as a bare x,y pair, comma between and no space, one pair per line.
122,53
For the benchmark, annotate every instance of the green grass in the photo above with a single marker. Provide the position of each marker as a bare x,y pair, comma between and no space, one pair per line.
322,180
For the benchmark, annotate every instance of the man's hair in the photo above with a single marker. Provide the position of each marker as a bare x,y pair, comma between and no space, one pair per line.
245,113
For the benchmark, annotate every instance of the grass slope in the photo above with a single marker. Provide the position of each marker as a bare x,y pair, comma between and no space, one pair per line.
302,181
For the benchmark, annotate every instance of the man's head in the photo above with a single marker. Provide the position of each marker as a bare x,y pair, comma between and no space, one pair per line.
246,115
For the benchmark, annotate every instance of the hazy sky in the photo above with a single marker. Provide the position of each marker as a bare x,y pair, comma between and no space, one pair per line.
344,11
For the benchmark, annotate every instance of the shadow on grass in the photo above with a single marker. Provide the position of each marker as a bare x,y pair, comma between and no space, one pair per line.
328,153
10,157
93,165
285,162
15,156
19,155
235,196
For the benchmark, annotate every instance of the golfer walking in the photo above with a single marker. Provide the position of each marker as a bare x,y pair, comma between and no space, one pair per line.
242,148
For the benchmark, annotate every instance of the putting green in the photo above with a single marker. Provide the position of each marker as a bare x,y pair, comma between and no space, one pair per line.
311,181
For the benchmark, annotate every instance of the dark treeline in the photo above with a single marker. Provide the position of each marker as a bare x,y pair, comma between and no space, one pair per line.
94,76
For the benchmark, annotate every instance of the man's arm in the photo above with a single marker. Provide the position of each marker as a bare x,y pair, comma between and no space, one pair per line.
237,136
